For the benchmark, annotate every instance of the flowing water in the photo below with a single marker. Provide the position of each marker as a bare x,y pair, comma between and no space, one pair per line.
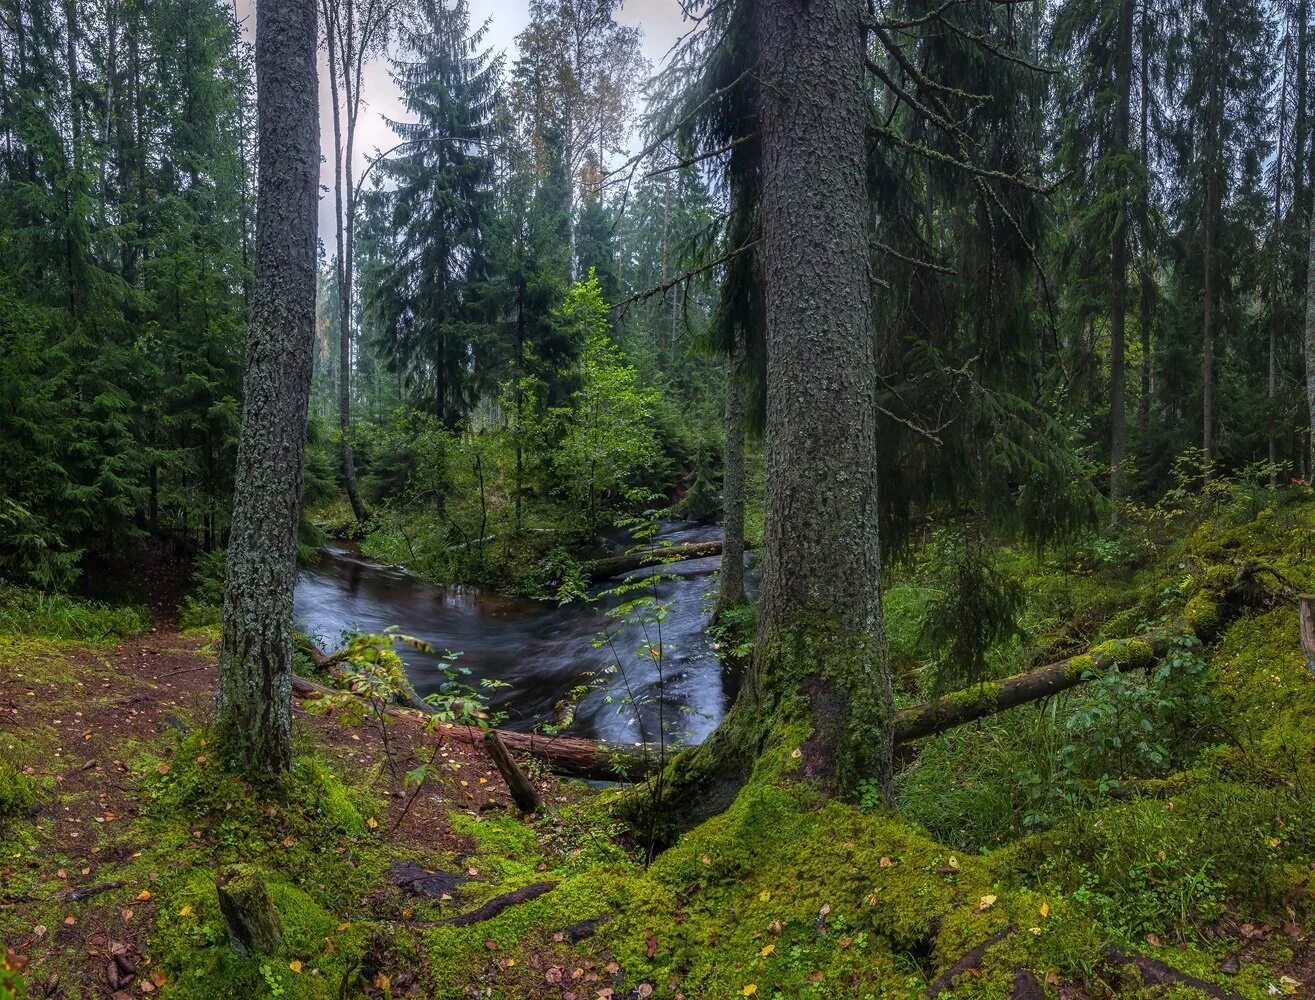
540,649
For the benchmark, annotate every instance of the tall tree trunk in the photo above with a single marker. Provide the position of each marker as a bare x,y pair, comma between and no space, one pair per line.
255,666
730,583
1146,278
1275,297
340,63
1119,257
821,645
1208,335
820,660
1309,341
1300,124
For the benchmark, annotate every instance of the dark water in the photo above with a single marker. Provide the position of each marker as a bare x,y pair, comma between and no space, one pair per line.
542,650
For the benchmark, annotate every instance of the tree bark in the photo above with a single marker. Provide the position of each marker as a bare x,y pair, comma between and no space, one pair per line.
820,660
821,646
340,72
254,925
1119,256
523,792
730,583
255,666
1213,197
1308,341
1147,288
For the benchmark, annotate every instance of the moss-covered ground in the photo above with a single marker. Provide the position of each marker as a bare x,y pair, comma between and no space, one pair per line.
1167,813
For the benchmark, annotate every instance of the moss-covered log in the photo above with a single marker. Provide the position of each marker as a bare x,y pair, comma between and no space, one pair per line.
605,569
1205,616
990,697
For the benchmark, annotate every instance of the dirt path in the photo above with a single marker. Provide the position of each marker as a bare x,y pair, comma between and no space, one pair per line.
74,719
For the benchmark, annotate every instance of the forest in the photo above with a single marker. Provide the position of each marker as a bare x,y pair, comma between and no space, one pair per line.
691,499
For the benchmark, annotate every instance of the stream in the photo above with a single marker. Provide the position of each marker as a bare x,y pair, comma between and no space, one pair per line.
542,650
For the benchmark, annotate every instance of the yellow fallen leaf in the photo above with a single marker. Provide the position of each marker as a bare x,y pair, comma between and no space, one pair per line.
986,903
372,823
749,990
1045,909
382,982
186,911
294,965
767,949
143,896
1036,931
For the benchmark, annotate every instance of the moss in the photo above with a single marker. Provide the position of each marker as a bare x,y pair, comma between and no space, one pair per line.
980,698
1134,653
1203,614
18,792
1080,667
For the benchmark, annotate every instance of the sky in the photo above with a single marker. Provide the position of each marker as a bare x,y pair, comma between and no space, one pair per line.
660,20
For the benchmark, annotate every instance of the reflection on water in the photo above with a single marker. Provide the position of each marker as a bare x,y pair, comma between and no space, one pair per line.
540,649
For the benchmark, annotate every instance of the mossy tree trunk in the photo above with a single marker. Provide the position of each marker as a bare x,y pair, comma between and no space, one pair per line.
820,678
255,665
821,645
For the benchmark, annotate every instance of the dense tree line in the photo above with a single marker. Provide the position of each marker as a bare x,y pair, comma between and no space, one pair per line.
124,218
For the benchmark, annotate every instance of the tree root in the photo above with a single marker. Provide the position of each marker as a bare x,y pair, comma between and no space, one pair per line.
494,906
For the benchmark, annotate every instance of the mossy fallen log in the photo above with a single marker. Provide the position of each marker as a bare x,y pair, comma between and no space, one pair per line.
605,569
1223,594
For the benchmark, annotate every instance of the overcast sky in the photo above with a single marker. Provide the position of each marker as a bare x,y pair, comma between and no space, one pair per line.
659,19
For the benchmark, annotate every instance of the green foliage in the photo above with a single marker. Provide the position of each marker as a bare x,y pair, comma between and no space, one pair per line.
56,616
606,439
975,611
124,211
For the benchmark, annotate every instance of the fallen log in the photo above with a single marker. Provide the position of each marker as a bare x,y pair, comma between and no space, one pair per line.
523,792
992,697
1205,617
564,755
605,569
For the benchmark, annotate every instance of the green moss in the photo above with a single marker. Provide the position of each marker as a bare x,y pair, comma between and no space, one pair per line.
1134,653
978,698
18,792
1080,667
1203,614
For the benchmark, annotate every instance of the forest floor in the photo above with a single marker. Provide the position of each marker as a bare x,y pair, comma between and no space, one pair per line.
1198,880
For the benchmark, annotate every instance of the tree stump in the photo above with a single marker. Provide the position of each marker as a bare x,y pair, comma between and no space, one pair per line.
1308,630
254,926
